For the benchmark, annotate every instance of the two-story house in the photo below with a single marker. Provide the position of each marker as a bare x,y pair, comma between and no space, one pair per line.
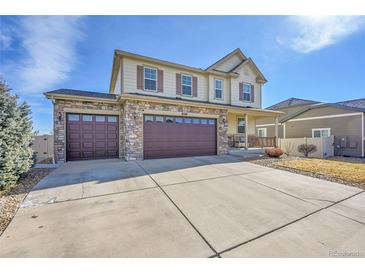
157,109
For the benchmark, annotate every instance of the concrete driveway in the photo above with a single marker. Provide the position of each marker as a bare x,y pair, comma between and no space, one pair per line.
185,207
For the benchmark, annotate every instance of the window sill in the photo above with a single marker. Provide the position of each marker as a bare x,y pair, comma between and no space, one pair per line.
149,90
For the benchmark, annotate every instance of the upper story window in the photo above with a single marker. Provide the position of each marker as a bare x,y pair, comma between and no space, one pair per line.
186,84
218,91
150,79
247,92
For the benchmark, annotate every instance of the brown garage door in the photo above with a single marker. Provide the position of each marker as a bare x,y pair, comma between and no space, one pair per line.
168,136
91,136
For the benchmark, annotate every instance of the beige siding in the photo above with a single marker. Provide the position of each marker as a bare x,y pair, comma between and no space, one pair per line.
293,109
232,123
205,83
348,127
169,88
118,83
247,76
265,121
270,130
229,64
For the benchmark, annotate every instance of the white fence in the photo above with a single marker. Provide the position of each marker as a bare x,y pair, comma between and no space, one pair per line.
325,146
43,147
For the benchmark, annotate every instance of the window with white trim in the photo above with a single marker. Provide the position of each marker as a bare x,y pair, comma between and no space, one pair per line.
218,91
150,79
241,125
186,85
261,132
321,132
247,92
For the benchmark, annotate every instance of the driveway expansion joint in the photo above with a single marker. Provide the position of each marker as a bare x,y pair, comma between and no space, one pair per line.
281,191
183,214
290,223
207,179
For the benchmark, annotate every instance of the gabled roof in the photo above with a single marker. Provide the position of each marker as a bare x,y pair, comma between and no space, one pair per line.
356,103
292,102
226,57
342,105
252,64
81,93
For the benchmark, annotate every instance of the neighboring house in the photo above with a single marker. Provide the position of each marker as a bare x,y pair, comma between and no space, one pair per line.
158,109
305,118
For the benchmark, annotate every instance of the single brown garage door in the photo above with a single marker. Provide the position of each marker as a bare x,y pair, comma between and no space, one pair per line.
169,136
91,136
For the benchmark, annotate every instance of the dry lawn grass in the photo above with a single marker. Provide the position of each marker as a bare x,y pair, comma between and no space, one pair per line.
350,172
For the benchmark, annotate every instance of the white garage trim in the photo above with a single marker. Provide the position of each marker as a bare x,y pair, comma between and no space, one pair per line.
183,114
91,111
265,125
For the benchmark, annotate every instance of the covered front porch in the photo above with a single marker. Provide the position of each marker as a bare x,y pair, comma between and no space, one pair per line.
242,132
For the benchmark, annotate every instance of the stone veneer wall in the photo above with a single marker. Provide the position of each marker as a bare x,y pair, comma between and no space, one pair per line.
132,128
59,125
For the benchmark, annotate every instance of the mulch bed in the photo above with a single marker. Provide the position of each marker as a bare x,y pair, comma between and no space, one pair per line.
272,162
12,196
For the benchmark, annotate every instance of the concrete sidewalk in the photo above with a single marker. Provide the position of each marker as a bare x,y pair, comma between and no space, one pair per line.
185,207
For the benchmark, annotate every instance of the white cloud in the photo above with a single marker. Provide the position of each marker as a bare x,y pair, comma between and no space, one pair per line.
49,45
5,41
311,33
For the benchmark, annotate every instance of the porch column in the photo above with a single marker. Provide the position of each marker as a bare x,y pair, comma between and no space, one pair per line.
246,127
276,131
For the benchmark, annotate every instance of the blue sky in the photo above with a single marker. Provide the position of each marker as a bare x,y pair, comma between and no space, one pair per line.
318,58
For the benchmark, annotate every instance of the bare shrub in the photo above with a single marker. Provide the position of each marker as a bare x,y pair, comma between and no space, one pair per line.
306,149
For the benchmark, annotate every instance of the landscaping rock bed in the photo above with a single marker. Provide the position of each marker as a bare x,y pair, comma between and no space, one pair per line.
12,196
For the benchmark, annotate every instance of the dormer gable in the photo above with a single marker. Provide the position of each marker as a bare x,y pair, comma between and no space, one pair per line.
228,62
249,63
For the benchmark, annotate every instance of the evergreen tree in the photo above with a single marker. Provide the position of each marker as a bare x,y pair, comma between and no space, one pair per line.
15,137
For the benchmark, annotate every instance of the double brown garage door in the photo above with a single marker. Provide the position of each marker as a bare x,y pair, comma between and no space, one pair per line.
169,136
91,136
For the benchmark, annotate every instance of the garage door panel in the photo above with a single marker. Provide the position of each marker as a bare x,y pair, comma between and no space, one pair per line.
179,139
112,127
75,154
75,127
100,127
112,136
112,153
112,145
74,145
75,136
100,136
100,153
91,137
87,155
87,127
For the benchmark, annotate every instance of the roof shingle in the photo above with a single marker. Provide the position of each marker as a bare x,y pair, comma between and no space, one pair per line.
292,102
75,92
